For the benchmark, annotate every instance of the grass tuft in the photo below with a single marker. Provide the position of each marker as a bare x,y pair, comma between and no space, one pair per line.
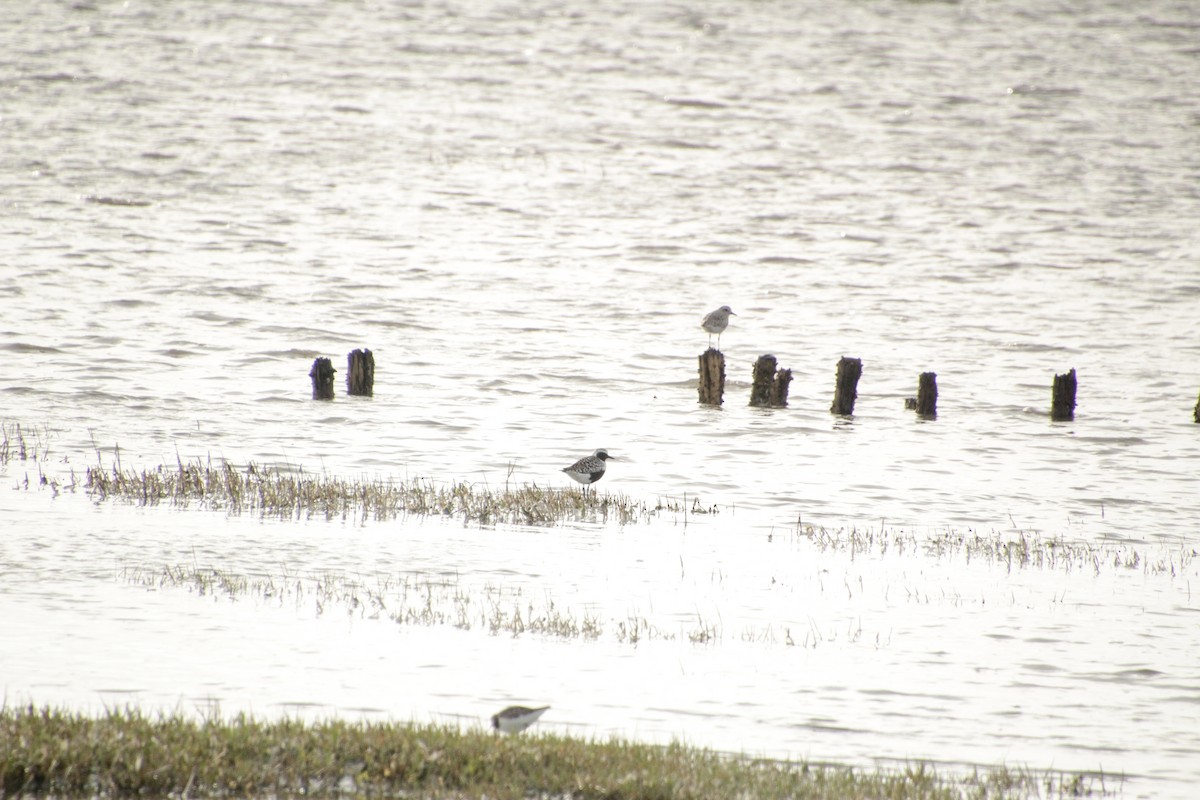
23,444
1017,550
285,496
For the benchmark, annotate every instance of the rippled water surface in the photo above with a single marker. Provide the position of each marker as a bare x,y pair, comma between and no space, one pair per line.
524,210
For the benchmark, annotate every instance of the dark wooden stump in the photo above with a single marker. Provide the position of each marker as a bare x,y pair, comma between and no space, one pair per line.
764,375
360,373
1062,403
927,395
712,377
849,370
322,373
770,385
1196,412
779,388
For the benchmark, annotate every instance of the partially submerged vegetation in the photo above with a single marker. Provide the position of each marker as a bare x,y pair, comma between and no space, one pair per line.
271,492
51,753
1012,551
501,609
23,444
274,493
422,600
295,494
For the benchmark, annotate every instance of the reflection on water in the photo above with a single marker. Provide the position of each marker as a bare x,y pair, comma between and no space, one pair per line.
524,213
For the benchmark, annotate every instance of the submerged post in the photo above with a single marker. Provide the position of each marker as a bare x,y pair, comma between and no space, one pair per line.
322,373
1062,402
927,395
712,377
779,388
764,373
360,373
770,386
849,370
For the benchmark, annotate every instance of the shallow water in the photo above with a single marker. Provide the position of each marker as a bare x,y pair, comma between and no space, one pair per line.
524,212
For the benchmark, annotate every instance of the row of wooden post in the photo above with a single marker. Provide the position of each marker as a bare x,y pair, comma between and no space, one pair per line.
360,375
770,387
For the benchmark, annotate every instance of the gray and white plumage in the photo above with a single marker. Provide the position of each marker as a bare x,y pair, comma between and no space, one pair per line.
588,469
716,322
515,719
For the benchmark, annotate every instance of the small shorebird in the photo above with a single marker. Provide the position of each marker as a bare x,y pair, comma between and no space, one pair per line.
715,322
588,469
515,719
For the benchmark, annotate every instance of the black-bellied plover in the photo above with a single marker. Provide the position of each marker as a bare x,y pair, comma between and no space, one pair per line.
716,322
515,719
588,469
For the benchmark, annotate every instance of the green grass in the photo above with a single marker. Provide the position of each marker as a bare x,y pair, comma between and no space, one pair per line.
52,753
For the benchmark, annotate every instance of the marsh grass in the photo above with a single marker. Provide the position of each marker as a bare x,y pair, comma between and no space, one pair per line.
420,600
273,493
125,753
513,610
23,444
287,495
1017,550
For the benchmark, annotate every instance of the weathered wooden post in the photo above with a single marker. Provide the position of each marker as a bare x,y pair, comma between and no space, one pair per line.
779,388
322,379
1062,402
770,386
360,373
712,377
760,387
927,395
1196,412
849,370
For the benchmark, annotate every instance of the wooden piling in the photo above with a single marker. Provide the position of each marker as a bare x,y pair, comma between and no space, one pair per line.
770,385
712,377
779,388
1062,402
849,370
764,374
322,373
1196,412
360,373
927,395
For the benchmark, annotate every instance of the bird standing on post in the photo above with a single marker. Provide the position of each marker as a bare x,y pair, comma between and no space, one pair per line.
588,469
716,322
